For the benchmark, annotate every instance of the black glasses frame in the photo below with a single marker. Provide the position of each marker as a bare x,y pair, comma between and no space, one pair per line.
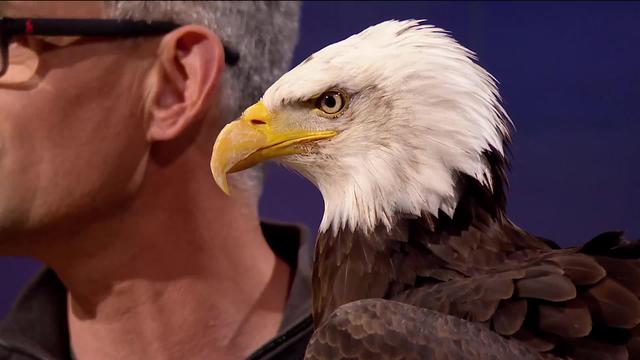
85,27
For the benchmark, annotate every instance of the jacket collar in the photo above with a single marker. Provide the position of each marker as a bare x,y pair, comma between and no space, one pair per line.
37,323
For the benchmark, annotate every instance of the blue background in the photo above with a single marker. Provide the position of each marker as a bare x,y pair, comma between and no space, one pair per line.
570,80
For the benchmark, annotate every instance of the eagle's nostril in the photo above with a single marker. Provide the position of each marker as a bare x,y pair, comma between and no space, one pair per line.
257,122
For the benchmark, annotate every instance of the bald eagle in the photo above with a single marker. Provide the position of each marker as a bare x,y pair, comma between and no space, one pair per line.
405,136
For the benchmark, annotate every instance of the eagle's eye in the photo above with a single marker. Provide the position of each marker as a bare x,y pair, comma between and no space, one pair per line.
331,102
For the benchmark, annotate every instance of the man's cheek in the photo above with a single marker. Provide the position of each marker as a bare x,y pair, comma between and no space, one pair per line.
10,138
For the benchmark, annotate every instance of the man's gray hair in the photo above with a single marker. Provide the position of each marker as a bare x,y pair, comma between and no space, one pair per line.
264,33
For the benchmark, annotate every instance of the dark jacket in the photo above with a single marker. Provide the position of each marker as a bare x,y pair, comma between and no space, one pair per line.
36,327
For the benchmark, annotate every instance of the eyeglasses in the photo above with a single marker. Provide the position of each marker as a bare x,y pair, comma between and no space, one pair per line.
21,57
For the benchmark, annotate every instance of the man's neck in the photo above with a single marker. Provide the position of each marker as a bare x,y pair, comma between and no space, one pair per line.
185,275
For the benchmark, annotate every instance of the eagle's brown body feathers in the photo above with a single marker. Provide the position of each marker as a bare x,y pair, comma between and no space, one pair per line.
579,303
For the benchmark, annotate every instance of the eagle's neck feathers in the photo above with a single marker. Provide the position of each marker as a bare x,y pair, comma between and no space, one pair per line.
387,189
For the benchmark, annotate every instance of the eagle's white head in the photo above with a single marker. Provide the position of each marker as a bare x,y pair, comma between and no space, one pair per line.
383,123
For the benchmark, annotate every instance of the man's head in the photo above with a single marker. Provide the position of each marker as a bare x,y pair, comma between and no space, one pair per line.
79,137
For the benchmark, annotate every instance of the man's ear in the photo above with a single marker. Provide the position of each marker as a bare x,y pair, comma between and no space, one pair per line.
181,84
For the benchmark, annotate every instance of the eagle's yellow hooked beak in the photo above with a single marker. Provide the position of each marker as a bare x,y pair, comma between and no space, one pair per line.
255,137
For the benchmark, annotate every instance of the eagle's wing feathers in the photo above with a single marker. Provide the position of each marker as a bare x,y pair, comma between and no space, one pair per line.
383,329
560,300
